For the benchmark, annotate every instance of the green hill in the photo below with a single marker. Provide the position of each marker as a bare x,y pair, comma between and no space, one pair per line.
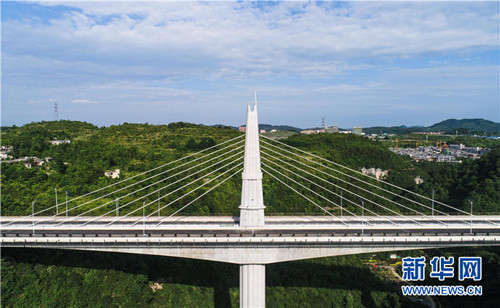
450,126
269,127
469,124
56,278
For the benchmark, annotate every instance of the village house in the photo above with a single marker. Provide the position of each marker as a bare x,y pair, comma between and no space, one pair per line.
113,173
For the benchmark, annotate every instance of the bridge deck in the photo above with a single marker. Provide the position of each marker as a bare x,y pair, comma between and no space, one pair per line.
283,238
228,226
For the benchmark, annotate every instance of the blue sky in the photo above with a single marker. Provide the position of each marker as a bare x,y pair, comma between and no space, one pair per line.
354,63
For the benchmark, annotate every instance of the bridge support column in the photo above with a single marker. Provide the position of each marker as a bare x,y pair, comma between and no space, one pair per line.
252,286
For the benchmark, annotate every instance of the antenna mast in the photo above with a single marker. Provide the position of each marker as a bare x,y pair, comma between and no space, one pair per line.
56,112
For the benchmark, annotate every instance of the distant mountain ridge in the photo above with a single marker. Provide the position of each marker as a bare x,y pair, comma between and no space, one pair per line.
470,124
449,125
463,126
269,127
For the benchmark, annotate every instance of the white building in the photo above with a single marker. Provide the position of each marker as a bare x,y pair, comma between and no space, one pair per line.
58,142
113,173
377,172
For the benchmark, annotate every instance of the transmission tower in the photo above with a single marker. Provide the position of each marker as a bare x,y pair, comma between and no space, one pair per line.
323,122
56,112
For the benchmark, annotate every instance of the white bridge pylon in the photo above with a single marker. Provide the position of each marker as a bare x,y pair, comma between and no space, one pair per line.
252,198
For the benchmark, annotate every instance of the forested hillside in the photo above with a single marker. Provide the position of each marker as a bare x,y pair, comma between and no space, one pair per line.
78,167
470,124
68,278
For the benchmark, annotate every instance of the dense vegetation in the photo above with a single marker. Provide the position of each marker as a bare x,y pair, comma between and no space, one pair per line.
478,180
78,167
53,278
57,278
269,127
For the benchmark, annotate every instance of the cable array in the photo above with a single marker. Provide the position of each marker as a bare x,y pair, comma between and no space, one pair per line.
315,179
286,158
192,168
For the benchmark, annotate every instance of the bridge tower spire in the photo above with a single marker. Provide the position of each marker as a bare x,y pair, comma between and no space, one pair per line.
252,275
252,199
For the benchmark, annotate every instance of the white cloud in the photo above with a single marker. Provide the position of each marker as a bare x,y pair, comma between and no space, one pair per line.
41,101
340,60
83,101
227,40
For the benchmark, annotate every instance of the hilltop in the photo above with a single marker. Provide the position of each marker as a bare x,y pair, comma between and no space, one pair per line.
470,124
269,127
450,126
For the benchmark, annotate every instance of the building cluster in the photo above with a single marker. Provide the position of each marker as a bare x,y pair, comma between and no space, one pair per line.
29,161
58,142
37,162
32,161
334,129
244,129
114,174
5,150
331,129
445,153
382,136
376,172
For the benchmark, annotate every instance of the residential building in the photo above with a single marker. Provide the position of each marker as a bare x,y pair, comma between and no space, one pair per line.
58,142
113,173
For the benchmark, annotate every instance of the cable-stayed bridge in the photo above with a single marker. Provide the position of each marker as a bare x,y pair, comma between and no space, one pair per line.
142,213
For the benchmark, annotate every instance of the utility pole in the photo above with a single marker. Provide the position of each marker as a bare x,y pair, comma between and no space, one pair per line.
33,211
341,204
471,205
117,207
362,216
158,204
433,203
57,205
66,204
144,217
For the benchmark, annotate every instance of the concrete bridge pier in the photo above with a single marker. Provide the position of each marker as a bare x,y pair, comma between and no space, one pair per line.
252,286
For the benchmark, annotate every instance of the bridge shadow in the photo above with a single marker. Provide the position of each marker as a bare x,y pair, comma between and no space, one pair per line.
222,277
